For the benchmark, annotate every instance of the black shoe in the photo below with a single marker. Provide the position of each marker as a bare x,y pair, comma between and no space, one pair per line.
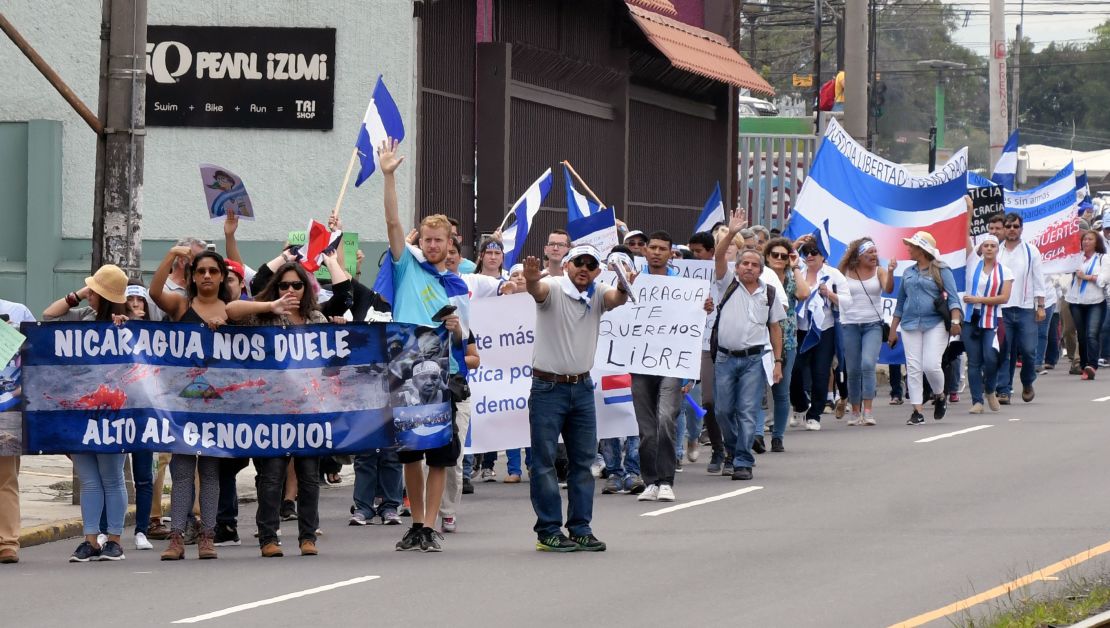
111,551
288,510
758,446
715,460
84,553
776,445
1027,393
556,543
1004,399
411,541
226,534
916,418
428,540
939,407
742,473
468,487
588,543
728,469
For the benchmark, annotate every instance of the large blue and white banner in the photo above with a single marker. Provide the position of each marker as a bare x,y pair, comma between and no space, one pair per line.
1049,216
851,193
235,392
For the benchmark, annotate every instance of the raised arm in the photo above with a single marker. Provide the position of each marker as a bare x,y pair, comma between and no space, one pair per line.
887,276
171,303
231,245
618,297
240,310
532,276
389,161
736,222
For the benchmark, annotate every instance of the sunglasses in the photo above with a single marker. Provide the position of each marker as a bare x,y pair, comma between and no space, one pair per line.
290,285
1017,226
583,261
777,255
207,271
810,253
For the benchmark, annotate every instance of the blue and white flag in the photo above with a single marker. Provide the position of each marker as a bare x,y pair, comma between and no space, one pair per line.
823,241
1050,218
713,212
382,121
578,206
525,209
598,230
1005,171
235,392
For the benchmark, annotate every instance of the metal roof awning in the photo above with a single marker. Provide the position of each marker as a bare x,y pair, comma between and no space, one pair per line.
698,51
659,6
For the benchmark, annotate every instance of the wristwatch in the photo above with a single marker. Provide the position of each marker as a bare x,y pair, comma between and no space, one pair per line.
779,361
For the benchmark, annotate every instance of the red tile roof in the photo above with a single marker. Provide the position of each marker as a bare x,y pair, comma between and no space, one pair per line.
698,51
659,6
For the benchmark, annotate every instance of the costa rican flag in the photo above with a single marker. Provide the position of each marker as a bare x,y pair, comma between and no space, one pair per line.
616,389
318,242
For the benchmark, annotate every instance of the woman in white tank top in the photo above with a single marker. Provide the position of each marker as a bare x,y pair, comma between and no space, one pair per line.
862,323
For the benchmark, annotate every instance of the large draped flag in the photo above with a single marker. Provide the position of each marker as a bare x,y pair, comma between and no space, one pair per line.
1005,171
525,209
857,193
382,120
713,212
1049,217
578,206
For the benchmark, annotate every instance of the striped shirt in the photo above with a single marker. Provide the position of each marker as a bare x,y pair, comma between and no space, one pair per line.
985,283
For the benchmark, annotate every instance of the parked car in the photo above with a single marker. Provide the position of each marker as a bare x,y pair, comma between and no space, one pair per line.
751,106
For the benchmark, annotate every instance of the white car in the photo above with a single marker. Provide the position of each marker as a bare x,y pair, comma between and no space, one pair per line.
750,106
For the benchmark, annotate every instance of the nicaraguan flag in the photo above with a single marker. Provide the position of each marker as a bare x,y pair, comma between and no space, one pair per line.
318,242
824,243
713,212
1005,171
525,209
382,121
598,230
578,206
616,389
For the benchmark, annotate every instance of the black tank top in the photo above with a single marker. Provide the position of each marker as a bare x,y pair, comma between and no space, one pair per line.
191,316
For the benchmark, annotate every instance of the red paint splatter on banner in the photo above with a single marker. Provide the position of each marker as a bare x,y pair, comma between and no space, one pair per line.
250,383
139,372
194,373
103,398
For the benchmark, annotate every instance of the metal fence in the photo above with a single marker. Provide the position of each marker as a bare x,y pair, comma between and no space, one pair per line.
771,169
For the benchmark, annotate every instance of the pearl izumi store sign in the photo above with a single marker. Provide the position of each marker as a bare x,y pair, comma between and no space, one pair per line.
223,76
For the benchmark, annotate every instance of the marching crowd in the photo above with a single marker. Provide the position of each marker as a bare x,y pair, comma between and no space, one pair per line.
780,312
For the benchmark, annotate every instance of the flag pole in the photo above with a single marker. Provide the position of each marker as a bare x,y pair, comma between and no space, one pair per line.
346,180
583,183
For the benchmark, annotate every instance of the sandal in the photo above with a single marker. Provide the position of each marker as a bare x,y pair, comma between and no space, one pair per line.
333,478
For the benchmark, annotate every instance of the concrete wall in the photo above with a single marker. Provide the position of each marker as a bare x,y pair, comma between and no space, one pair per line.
291,175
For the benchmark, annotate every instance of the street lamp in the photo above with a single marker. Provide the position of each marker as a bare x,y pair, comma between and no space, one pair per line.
940,66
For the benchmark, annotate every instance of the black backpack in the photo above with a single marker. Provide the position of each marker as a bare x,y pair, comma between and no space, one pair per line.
721,306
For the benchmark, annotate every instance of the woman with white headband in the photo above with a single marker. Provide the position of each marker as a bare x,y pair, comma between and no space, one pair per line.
988,285
861,320
1087,300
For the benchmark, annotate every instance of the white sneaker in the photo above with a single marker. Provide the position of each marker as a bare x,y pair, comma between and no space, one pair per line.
795,419
101,539
650,494
855,420
813,425
597,467
666,493
141,542
868,419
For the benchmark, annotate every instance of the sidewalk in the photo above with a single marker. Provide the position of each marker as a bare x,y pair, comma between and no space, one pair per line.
46,495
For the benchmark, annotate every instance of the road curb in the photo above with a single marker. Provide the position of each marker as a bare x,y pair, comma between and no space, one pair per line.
68,528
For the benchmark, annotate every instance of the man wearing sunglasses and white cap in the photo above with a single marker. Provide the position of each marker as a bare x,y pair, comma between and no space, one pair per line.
568,314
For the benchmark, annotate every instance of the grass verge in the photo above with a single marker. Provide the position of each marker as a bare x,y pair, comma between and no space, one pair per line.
1071,603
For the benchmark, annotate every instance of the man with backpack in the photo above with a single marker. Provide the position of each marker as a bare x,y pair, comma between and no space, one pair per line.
748,316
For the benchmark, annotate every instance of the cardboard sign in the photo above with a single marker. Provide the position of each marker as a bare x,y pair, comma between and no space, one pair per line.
987,202
224,192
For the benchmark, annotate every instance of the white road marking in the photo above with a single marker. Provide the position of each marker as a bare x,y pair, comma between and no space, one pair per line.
699,502
274,600
1012,420
951,434
1102,399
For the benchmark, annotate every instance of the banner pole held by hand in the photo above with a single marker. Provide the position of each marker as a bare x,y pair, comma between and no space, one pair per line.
583,183
346,180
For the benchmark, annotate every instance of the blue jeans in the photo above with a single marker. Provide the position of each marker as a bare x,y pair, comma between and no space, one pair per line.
377,472
1043,328
567,410
142,471
739,392
102,491
1088,323
1020,339
861,352
512,460
1105,331
894,374
780,393
982,361
611,450
688,424
468,465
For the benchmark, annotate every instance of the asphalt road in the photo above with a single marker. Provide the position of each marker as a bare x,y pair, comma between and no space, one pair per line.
851,527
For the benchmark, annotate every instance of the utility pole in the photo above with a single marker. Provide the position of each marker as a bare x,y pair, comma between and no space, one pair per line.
872,71
855,69
1015,109
816,64
999,121
940,66
117,203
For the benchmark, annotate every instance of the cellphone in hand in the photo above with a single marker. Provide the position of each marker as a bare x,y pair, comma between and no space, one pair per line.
444,312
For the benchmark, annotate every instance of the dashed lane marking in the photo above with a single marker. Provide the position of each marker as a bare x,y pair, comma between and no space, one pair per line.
951,434
274,600
699,502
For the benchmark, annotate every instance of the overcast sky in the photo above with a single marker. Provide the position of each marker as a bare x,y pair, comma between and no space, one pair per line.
1039,25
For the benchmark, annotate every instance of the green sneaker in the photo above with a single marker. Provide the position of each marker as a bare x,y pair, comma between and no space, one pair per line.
556,543
588,543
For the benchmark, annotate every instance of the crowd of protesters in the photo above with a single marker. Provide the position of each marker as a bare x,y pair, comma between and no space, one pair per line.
789,334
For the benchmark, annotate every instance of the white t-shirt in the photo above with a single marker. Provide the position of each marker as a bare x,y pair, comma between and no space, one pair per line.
482,286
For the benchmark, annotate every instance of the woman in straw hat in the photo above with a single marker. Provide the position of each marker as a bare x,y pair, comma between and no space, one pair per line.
101,475
928,312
